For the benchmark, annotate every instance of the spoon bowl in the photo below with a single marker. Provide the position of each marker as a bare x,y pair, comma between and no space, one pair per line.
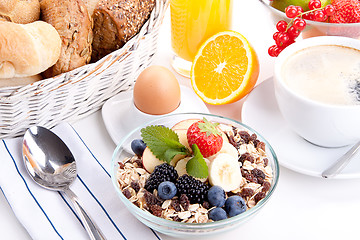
51,164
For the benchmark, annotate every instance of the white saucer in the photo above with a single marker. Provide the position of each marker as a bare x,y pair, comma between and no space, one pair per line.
260,111
115,110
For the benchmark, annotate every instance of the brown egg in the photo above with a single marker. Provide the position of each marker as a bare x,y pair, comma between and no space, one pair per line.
157,91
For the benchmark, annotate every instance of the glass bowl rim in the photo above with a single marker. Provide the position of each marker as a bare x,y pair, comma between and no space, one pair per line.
315,23
165,222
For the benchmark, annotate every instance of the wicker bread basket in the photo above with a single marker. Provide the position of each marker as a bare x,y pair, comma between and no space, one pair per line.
76,94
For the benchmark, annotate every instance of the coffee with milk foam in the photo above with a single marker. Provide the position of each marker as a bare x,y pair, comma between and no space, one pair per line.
329,74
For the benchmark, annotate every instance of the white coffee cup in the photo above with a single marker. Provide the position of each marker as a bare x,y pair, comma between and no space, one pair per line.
323,124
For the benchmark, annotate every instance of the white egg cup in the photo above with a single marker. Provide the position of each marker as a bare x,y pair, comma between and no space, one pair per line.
132,117
321,124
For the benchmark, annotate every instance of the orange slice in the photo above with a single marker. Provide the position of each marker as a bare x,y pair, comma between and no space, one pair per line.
225,68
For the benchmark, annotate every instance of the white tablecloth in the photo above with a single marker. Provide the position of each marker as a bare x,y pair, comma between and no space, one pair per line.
302,207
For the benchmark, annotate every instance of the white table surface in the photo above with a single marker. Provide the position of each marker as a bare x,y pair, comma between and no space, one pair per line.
302,207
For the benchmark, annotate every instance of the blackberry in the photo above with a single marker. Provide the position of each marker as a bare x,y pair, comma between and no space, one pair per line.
163,172
194,189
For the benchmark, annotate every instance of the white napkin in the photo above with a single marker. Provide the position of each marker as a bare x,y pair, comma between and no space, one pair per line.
47,214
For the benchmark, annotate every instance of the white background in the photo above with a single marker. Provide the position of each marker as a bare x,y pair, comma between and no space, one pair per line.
302,207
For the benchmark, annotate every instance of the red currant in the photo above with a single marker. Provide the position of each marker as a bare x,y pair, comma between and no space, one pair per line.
314,4
283,39
329,10
319,16
308,15
291,11
276,35
293,32
274,50
281,26
299,24
299,9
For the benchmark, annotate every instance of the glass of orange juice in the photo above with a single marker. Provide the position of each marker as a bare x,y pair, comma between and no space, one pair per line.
192,22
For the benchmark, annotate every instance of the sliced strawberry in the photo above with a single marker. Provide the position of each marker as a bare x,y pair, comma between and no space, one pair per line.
346,11
206,136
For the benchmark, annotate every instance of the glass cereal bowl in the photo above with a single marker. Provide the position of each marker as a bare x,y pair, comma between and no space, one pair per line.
314,29
183,227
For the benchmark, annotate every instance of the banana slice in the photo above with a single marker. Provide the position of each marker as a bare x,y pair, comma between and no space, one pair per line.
226,148
225,172
181,167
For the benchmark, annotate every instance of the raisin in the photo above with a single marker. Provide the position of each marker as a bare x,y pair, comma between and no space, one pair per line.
261,145
253,137
121,165
250,177
138,163
266,186
206,205
258,173
175,203
256,142
184,201
266,162
246,192
260,180
259,196
245,136
135,185
151,199
156,210
233,142
127,193
176,218
246,157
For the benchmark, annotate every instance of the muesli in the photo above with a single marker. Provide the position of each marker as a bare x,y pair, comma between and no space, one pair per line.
224,173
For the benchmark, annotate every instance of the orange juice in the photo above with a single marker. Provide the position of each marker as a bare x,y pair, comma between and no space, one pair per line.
194,21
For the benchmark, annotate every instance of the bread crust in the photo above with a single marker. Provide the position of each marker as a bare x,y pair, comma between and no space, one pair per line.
116,22
27,49
20,11
72,21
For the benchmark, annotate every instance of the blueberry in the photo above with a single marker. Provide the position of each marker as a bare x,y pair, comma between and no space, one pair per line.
167,190
217,214
216,196
235,205
138,146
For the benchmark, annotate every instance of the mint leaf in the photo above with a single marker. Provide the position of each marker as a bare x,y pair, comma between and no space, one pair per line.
196,166
163,142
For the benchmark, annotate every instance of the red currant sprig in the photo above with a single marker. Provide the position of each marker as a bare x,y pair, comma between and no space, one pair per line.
288,32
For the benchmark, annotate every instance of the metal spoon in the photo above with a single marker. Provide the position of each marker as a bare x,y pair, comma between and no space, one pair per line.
340,164
51,164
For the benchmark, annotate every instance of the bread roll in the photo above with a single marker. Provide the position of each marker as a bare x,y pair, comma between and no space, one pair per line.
72,21
21,81
115,22
27,49
20,11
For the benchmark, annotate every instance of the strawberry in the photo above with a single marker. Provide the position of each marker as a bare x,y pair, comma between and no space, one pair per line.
206,136
346,11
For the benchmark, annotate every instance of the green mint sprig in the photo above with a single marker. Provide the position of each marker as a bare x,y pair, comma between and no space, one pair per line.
163,142
197,166
165,145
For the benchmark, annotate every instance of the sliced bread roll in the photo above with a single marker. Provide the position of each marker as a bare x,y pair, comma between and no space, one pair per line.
116,22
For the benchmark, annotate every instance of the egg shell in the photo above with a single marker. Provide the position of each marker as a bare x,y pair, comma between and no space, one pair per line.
156,91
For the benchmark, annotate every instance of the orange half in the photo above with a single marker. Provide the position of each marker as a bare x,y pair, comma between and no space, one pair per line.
225,68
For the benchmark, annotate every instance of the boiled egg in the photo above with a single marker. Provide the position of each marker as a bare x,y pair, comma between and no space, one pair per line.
156,91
